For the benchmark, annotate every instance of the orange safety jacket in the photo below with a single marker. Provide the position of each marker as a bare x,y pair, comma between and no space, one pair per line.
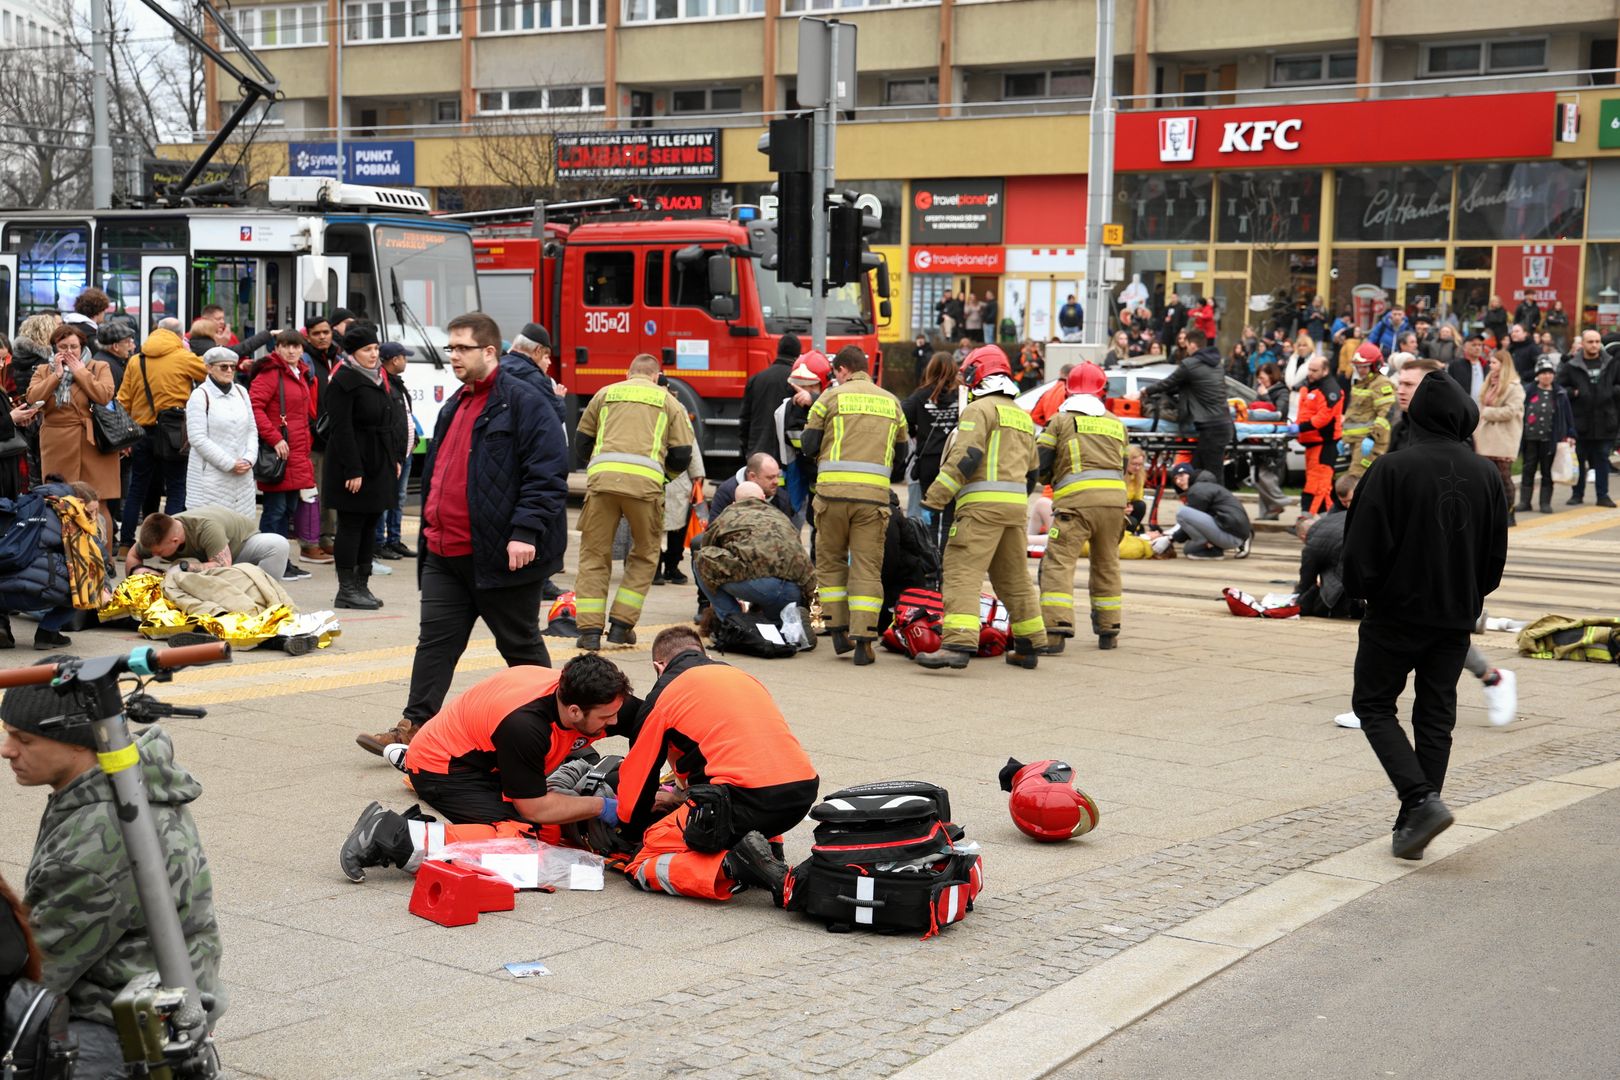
715,725
1321,412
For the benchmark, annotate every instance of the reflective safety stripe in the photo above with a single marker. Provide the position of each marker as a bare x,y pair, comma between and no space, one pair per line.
866,603
854,466
629,598
1026,627
1057,599
634,464
833,594
1046,439
823,478
992,491
1016,487
1089,480
978,497
959,622
426,836
641,877
661,871
1106,603
116,761
581,604
950,481
642,395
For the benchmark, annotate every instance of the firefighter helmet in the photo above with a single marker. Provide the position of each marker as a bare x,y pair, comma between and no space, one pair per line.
1087,378
811,367
983,362
1368,353
562,620
1044,802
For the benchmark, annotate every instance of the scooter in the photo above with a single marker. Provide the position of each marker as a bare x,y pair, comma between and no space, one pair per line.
161,1016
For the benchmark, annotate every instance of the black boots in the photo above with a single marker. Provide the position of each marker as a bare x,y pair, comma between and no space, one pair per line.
1022,654
1055,641
1108,641
1425,821
752,862
350,594
380,838
841,642
6,640
620,633
863,652
362,579
589,640
945,657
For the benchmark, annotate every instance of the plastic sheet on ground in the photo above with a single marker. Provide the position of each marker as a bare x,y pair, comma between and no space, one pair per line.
141,597
529,864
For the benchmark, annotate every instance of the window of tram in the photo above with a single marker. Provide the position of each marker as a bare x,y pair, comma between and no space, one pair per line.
119,248
428,275
230,284
164,284
53,263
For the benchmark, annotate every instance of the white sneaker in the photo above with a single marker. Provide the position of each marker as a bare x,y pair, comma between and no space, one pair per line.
1502,700
1349,720
381,569
395,753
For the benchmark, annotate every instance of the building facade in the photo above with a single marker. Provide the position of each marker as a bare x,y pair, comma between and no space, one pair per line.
1369,152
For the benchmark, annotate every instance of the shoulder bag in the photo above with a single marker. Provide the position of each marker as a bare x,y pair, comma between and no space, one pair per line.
169,432
269,467
115,429
34,1034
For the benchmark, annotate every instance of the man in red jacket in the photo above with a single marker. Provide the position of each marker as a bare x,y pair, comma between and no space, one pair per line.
1320,423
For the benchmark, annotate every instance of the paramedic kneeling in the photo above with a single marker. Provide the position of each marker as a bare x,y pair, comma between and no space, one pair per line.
746,777
482,761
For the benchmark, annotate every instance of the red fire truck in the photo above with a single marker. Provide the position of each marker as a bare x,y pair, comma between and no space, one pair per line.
695,292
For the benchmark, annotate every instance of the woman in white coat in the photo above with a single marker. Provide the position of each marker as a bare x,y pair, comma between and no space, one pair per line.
224,438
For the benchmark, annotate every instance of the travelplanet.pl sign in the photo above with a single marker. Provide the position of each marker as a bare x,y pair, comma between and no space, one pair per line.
365,162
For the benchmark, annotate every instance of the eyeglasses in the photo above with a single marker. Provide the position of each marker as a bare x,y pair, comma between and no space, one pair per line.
455,349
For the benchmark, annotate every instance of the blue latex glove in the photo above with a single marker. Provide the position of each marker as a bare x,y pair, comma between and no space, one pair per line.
1343,448
1293,429
1366,446
927,516
610,812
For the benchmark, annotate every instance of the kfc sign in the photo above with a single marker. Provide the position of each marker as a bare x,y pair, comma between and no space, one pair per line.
958,260
1338,133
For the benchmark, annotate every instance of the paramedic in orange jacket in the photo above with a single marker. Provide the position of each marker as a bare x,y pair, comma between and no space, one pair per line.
1320,423
745,775
482,761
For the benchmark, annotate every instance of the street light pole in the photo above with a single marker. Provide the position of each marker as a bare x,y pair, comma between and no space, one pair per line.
101,171
1100,178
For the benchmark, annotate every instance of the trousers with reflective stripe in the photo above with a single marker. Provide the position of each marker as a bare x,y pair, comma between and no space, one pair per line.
1072,531
978,546
666,865
849,563
598,521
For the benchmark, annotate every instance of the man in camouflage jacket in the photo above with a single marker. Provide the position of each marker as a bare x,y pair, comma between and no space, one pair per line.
752,552
80,887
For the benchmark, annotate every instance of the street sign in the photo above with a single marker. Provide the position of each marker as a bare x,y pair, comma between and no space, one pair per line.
815,56
1113,235
1448,282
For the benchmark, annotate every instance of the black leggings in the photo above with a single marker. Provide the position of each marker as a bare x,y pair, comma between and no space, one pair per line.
674,548
356,537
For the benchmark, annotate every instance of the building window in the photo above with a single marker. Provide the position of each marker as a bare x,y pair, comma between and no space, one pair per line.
535,16
1313,68
911,91
1066,82
1484,57
401,20
279,27
720,99
791,6
447,111
538,99
666,10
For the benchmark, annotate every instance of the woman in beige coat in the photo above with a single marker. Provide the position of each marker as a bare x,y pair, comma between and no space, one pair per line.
70,385
1501,420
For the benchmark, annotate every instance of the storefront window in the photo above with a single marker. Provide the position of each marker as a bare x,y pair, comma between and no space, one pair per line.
1366,282
1527,200
926,291
1169,208
1270,207
1473,258
1409,203
1601,303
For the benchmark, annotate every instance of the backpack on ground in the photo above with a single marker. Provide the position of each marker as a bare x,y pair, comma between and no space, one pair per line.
742,633
886,857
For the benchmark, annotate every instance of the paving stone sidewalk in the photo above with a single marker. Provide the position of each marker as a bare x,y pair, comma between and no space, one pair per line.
863,1006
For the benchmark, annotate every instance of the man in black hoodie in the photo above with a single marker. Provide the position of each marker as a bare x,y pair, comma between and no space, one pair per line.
756,425
1425,542
1200,379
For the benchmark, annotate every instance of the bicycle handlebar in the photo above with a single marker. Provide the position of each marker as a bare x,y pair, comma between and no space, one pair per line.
167,659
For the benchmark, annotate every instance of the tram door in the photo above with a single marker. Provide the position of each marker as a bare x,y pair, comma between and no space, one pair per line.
163,291
8,293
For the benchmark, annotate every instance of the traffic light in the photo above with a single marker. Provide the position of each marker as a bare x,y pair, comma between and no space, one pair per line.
788,145
848,227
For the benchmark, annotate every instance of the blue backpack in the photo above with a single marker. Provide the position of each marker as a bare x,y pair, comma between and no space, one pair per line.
24,522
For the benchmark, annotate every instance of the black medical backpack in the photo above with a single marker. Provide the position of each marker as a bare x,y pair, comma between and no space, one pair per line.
886,857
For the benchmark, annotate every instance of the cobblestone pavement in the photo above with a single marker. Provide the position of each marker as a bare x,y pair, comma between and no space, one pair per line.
863,1006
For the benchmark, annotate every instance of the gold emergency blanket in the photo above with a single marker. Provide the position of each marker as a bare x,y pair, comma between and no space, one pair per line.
86,562
141,597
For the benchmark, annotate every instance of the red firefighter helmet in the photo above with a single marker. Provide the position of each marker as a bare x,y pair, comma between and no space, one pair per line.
1368,353
1045,804
562,620
811,366
1087,378
983,362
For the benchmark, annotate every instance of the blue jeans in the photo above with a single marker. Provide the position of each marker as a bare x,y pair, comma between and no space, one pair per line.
914,498
1592,454
143,465
277,516
767,595
388,525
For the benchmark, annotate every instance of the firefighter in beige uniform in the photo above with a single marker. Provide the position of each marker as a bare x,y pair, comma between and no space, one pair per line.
990,472
632,437
1082,455
857,435
1372,399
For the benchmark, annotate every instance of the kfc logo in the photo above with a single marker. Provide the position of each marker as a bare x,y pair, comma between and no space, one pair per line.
1176,135
1538,271
1249,137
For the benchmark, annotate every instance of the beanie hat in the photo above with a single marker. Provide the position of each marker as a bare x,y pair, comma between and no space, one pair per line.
339,315
789,347
27,708
536,333
114,331
1546,363
358,337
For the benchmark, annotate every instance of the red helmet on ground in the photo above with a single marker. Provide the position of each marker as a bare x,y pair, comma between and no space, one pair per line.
1045,804
811,367
562,620
1087,378
983,362
1368,353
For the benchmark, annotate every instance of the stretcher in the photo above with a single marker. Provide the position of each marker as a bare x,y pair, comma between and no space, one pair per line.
1167,444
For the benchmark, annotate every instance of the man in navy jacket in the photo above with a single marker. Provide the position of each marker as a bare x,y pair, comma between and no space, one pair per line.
494,521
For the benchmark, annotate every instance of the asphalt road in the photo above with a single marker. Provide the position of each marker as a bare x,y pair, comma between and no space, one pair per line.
1500,961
